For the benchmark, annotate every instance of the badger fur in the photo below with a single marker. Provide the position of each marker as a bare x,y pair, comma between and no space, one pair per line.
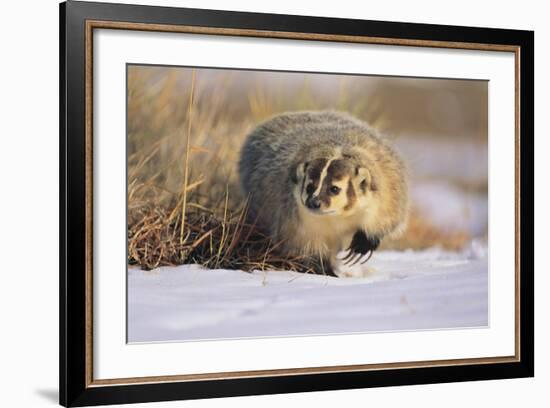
323,182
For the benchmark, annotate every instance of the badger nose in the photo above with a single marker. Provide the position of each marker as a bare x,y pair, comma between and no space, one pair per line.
313,203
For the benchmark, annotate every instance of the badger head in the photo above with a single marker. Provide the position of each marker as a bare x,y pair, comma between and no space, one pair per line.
338,185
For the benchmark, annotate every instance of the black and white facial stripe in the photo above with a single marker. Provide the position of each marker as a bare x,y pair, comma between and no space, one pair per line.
327,184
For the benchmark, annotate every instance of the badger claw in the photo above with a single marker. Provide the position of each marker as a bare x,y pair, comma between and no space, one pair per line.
355,258
348,256
360,249
368,257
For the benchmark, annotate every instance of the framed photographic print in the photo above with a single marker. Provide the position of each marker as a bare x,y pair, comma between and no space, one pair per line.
256,203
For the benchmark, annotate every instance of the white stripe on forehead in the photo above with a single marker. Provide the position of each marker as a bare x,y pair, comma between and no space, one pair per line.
322,177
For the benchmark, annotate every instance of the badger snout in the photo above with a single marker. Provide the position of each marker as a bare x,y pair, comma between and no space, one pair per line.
313,203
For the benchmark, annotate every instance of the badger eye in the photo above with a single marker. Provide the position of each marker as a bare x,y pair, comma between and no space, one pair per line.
309,188
334,190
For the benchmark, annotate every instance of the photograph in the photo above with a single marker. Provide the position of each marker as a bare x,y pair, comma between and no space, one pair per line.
264,203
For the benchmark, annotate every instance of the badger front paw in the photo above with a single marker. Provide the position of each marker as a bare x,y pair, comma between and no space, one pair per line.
360,249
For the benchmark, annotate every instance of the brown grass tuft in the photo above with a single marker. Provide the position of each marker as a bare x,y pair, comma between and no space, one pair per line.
421,234
209,239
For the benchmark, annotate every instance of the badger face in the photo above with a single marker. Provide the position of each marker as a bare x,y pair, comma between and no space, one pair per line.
334,186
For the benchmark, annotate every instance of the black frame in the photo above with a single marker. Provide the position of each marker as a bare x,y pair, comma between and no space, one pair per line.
73,389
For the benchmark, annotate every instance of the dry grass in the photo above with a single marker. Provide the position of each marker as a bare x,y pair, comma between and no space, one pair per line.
214,241
184,204
421,234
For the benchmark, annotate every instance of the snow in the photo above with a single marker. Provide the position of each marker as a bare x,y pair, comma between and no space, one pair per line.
448,181
410,290
449,208
458,159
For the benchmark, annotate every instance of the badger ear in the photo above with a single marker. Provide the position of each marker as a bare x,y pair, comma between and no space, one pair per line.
297,173
366,179
362,172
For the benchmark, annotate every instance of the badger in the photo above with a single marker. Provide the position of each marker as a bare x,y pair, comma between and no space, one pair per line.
322,182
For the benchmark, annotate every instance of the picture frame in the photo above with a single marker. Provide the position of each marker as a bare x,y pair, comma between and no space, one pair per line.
79,21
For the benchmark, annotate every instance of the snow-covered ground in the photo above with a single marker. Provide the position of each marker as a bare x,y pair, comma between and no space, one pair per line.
430,289
450,208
